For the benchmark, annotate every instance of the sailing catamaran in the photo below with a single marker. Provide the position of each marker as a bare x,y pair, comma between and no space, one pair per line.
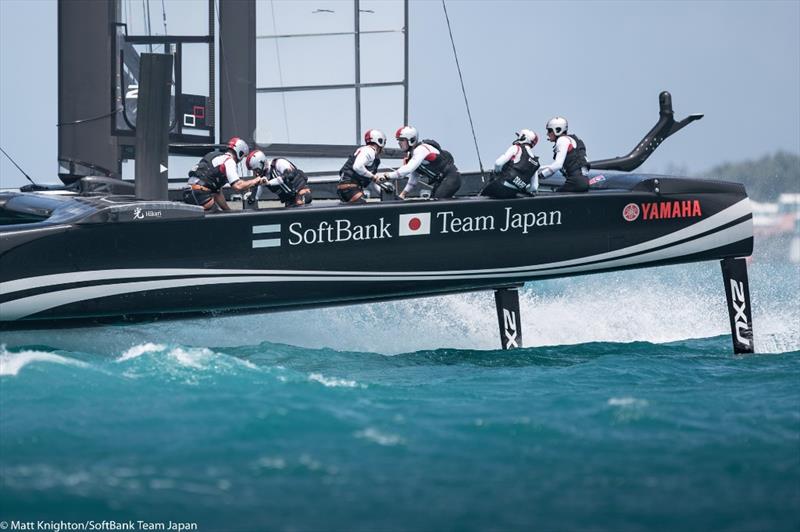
109,251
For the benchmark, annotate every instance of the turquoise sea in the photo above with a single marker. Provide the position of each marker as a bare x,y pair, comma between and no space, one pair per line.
625,411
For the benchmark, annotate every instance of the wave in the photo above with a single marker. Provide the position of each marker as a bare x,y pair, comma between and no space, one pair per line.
334,382
139,350
272,364
11,363
627,402
381,438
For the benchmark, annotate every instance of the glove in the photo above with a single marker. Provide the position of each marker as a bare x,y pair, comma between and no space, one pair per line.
380,178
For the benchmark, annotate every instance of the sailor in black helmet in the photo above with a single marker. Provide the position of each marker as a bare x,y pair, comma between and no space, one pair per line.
359,170
425,159
281,177
516,170
213,172
569,156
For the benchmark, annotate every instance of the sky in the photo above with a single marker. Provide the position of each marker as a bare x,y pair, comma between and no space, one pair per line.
600,64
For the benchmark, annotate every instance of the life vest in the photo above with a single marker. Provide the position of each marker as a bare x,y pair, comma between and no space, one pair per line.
525,168
348,175
292,182
434,167
210,176
575,164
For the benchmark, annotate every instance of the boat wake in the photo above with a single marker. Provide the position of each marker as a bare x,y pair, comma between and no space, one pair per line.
668,304
662,305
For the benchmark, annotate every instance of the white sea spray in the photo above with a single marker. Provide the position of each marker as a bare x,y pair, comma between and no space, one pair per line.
11,363
139,350
381,438
197,358
332,382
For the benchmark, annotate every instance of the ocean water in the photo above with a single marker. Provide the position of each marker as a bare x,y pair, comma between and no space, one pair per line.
625,411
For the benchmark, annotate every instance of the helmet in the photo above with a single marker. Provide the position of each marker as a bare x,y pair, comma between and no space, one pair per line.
408,133
526,136
257,162
239,147
375,136
557,125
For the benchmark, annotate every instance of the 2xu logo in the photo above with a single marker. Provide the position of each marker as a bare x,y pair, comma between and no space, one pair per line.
743,332
133,92
510,328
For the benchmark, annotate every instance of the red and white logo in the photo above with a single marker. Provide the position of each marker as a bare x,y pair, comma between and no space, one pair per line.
665,210
668,210
418,223
630,212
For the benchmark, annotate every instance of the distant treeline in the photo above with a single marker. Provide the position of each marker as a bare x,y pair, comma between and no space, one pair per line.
764,178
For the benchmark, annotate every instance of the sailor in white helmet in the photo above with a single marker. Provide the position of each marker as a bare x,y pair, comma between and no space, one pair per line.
516,170
425,159
213,172
358,172
281,177
569,157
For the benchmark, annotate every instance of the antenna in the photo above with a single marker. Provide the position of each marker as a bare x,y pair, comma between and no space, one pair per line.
280,68
147,24
466,102
164,17
15,164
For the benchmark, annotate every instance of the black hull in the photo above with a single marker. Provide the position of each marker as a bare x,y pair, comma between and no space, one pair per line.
109,265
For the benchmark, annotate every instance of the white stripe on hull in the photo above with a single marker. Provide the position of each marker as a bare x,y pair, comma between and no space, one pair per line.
261,229
267,243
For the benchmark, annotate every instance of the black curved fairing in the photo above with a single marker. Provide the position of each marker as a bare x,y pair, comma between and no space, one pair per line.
665,127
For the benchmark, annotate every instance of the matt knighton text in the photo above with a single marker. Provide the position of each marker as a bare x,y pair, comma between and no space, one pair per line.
59,526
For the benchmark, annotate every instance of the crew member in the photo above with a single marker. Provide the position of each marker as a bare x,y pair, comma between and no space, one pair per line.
281,177
425,159
213,172
569,156
515,170
359,170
